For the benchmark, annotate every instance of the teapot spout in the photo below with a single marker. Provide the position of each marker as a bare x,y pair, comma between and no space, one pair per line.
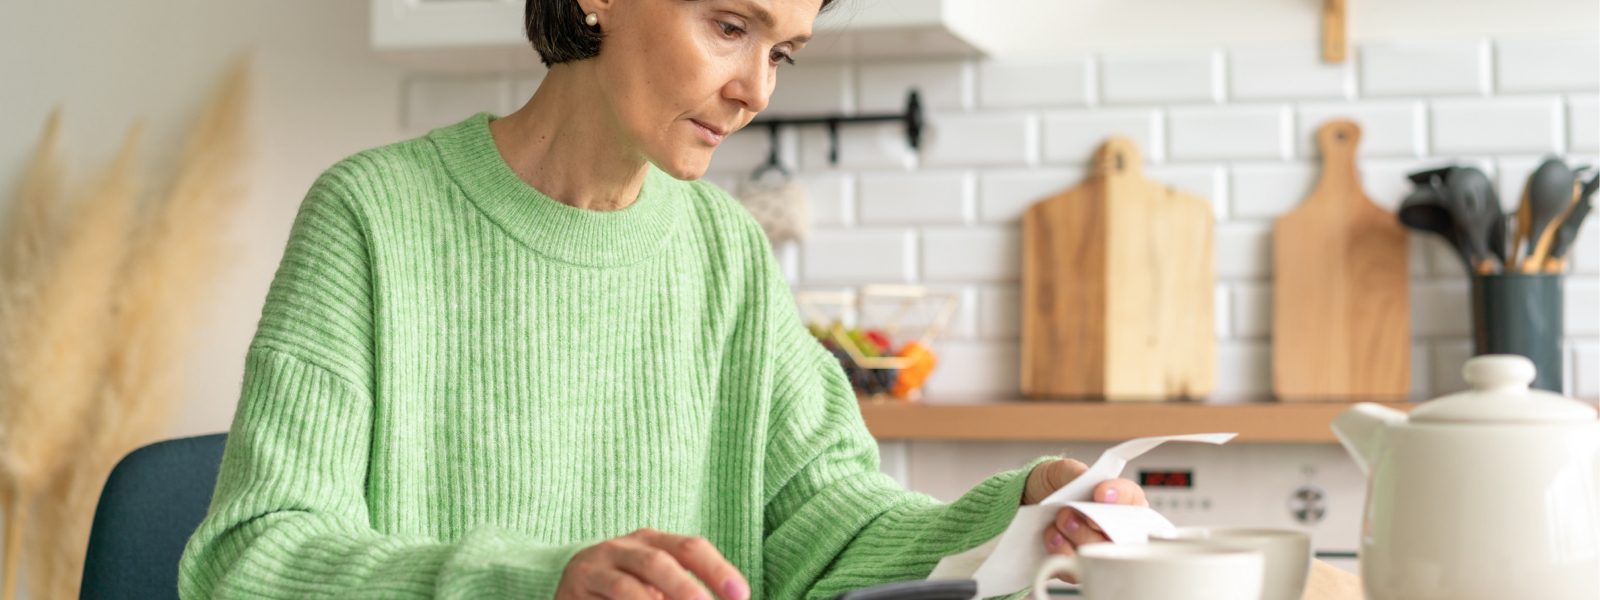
1363,428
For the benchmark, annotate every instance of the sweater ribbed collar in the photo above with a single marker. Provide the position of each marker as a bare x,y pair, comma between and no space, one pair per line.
559,231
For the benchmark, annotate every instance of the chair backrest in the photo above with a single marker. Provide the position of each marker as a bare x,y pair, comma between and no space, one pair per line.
153,500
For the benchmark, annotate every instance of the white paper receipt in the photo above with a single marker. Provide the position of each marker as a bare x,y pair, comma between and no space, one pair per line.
1006,563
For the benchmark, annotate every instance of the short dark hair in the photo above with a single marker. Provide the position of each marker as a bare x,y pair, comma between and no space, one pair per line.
558,33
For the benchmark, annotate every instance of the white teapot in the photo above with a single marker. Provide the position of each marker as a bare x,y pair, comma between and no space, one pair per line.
1489,494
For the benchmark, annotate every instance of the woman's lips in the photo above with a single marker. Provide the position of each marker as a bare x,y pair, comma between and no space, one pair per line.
711,134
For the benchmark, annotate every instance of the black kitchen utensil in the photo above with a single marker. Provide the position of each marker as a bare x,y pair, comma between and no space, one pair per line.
1567,231
1474,206
1549,195
916,589
1423,210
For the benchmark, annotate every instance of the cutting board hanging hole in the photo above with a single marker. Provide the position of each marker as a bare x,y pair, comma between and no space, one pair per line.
1119,162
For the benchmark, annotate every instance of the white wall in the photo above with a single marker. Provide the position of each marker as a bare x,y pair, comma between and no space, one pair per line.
321,95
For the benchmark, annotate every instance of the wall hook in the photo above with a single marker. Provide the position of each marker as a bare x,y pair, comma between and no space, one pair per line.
911,117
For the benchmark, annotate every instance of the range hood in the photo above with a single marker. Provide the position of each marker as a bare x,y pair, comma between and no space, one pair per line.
487,34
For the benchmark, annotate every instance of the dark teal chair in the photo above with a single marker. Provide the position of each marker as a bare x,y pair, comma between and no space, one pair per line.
153,500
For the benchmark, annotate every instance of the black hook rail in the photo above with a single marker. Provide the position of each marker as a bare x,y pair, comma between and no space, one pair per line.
912,117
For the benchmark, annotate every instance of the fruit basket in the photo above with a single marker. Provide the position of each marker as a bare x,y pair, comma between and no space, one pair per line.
882,335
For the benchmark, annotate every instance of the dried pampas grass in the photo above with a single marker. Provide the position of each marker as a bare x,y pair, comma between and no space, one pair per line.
110,324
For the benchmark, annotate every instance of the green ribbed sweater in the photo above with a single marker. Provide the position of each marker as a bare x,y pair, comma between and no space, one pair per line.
457,383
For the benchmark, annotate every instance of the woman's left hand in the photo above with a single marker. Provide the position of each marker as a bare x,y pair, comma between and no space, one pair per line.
1070,529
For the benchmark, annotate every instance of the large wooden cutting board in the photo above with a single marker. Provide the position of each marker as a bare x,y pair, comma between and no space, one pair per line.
1341,320
1117,291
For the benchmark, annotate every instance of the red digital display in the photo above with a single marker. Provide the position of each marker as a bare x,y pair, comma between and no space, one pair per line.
1166,479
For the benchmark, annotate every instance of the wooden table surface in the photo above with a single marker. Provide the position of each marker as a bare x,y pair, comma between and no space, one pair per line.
1101,421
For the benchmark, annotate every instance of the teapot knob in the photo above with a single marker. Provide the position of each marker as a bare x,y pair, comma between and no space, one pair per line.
1499,372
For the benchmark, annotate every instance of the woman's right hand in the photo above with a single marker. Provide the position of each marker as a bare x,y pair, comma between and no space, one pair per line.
650,565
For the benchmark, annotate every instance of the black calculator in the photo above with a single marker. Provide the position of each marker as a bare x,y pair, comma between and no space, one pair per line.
920,589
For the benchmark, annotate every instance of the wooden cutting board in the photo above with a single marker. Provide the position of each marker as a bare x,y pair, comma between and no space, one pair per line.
1341,320
1117,290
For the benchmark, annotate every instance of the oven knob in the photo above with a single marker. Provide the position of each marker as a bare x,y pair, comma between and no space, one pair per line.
1308,504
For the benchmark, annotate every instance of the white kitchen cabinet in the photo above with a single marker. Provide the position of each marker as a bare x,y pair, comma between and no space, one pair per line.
488,34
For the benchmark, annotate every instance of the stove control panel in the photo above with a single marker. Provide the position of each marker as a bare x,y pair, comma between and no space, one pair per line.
1309,487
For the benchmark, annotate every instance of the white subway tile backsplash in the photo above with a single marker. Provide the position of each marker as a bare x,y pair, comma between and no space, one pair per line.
1584,257
1417,253
948,216
439,100
1285,72
864,146
1388,127
1073,136
1268,191
813,88
1441,307
1421,372
742,151
1000,312
1443,260
983,139
1228,132
1252,310
1428,68
976,370
1511,175
1583,123
916,198
972,254
1586,369
1582,296
1384,180
1448,358
1222,312
1244,250
1004,195
859,256
1027,83
940,85
1547,65
832,198
1244,369
1143,78
1501,125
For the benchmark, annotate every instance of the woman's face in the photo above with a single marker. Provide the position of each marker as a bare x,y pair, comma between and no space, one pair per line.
680,75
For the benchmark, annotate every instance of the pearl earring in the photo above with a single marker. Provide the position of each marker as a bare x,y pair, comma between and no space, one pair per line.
591,19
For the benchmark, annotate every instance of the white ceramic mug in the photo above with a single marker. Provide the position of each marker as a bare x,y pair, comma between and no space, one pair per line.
1157,572
1286,554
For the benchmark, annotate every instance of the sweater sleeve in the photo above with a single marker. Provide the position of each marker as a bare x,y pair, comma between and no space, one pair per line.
289,517
833,521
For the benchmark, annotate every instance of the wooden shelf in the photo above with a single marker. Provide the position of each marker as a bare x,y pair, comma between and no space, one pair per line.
1099,421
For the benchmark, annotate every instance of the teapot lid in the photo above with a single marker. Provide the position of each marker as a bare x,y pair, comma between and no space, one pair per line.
1500,394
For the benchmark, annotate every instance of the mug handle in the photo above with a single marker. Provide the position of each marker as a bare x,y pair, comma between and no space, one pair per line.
1048,569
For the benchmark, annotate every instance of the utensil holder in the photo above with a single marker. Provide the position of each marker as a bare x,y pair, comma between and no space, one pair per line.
1520,313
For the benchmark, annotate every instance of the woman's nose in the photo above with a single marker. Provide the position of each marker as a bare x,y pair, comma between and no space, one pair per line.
751,86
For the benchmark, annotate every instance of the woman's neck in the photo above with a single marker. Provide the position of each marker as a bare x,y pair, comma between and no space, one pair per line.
565,143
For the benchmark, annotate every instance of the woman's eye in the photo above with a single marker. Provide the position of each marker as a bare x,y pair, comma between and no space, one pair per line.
729,29
778,57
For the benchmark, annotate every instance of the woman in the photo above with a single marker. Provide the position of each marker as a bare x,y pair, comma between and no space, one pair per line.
492,352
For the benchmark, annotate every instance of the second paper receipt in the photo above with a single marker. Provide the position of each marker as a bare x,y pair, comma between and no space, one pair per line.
1006,563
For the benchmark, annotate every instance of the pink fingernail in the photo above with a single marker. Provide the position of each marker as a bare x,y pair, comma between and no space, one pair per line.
1072,524
1056,540
1111,495
733,589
